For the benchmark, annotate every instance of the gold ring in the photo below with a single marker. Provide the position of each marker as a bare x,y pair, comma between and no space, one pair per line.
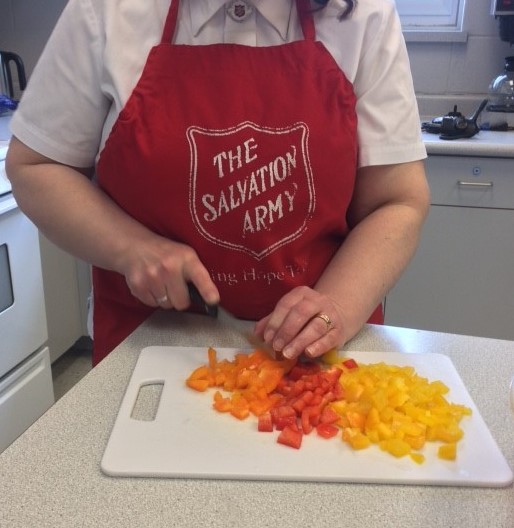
325,318
162,300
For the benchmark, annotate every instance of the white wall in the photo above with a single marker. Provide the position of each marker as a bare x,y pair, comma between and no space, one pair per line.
457,72
25,26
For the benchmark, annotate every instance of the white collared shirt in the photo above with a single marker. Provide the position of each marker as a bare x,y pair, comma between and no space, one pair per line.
208,21
99,47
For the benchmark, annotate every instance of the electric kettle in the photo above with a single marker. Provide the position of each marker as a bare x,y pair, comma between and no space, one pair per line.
501,89
10,63
500,110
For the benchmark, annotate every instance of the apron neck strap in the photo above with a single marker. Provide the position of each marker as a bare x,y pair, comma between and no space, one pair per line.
304,12
302,6
171,23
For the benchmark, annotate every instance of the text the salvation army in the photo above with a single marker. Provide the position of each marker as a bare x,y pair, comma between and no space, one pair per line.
243,190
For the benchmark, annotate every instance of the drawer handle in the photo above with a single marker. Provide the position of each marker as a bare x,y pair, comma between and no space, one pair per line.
474,185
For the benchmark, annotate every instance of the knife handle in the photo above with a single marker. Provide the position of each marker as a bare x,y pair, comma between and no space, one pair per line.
198,300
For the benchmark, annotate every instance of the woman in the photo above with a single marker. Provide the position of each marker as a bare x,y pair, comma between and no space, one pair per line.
267,152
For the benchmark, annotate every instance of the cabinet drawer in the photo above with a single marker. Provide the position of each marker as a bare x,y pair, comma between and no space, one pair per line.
471,181
26,392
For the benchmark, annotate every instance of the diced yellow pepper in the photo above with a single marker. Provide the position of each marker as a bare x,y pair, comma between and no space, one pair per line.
395,408
447,451
384,431
331,357
416,442
395,447
353,392
355,438
372,419
451,433
417,457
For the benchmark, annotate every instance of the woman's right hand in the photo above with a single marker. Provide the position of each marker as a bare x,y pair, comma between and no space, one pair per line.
157,273
80,218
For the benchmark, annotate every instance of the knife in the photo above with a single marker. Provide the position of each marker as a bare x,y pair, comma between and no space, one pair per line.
230,321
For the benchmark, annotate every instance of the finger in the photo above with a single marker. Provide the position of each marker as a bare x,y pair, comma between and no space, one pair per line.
296,324
193,272
296,320
178,295
260,326
205,286
287,318
315,330
143,295
323,344
163,300
149,288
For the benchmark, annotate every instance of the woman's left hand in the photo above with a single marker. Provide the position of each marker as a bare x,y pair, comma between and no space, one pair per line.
303,321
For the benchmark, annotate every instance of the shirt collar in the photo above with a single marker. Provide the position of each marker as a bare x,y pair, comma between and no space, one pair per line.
276,12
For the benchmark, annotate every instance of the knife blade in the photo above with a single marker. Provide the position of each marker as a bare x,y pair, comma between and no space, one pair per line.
229,321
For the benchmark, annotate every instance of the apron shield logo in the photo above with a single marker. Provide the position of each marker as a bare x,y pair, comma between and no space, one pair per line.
251,187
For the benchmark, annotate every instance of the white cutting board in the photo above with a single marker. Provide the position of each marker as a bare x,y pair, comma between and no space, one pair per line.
188,439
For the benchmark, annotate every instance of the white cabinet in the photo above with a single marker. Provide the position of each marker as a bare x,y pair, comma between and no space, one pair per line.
462,277
65,297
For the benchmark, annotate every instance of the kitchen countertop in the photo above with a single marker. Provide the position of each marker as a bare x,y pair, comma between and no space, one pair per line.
485,143
51,477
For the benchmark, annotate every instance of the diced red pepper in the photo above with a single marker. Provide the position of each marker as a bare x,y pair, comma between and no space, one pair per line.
305,421
306,368
265,424
299,405
289,437
327,430
350,363
282,422
286,395
283,416
328,416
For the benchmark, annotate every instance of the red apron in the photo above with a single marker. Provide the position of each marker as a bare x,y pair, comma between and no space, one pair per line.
248,154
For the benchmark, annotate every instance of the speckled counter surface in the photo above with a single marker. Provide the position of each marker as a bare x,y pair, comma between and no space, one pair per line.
485,144
50,477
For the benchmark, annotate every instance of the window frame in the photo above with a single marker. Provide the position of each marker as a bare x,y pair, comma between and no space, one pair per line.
433,20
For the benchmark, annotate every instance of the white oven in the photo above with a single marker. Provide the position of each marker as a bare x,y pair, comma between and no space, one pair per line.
26,389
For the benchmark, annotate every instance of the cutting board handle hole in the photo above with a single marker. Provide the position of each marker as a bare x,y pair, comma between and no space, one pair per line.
147,401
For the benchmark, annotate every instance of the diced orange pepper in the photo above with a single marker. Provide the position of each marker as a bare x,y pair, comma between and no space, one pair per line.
198,384
270,378
199,373
211,354
224,405
240,413
259,407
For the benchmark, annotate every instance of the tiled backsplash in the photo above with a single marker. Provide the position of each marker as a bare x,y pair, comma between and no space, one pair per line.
442,71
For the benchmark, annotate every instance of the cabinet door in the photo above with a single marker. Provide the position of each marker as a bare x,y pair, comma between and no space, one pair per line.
61,298
462,278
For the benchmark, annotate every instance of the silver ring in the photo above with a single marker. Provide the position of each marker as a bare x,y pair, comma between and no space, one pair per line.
325,318
162,300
